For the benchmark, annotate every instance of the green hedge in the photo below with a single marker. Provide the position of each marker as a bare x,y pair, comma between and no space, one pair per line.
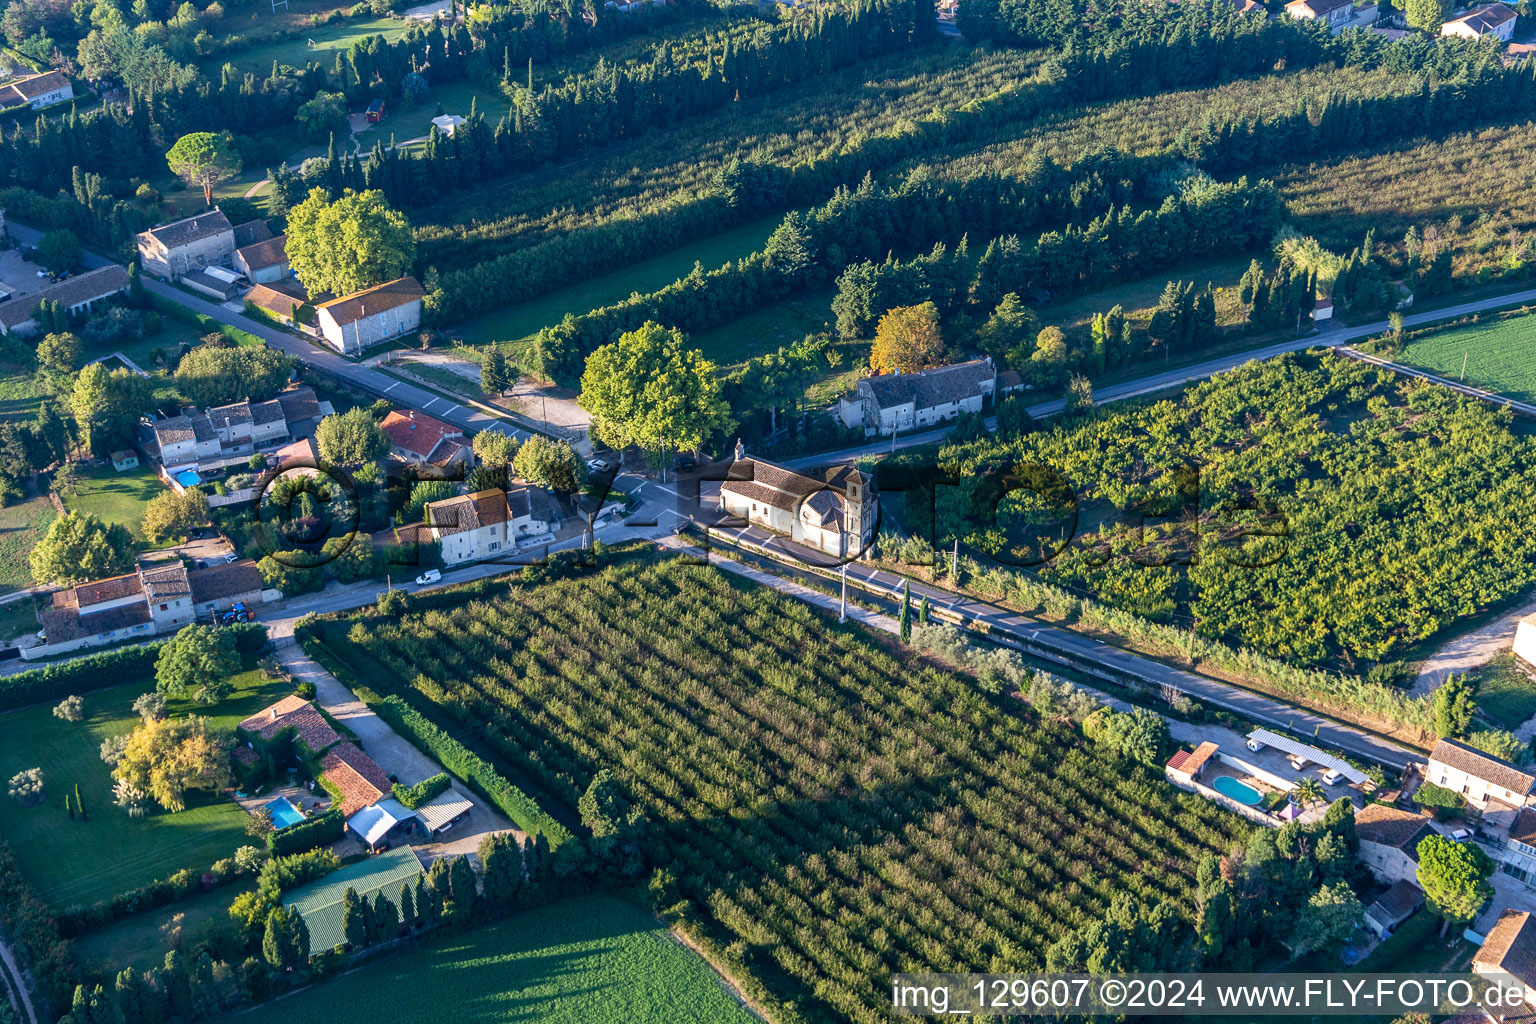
308,834
207,324
414,796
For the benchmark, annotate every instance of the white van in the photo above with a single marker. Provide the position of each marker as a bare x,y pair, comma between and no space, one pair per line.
430,576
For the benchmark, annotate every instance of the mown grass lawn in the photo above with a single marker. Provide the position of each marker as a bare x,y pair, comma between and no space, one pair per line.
525,319
22,526
1500,355
115,497
71,862
766,330
137,941
297,52
594,960
404,120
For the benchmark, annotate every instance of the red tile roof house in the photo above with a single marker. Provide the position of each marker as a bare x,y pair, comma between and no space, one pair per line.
291,719
354,776
421,440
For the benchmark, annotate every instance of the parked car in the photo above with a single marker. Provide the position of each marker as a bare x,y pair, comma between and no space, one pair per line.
597,465
430,576
233,556
1298,762
687,464
1461,835
1255,746
1332,776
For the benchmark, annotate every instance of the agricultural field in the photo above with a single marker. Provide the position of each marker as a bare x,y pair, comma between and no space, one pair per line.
115,497
1499,355
592,960
1392,537
71,862
834,810
22,525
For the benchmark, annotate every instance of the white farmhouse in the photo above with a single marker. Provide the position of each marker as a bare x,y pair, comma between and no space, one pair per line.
1389,841
355,322
182,246
912,401
834,512
489,523
37,91
1496,20
1493,786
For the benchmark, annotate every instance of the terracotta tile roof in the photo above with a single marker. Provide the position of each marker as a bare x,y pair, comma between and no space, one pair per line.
87,287
1389,826
1482,766
245,755
98,591
1190,762
1511,946
299,404
30,86
416,432
1524,828
62,623
167,582
472,511
310,727
271,253
303,453
272,300
1398,902
220,581
1178,760
391,294
190,229
361,781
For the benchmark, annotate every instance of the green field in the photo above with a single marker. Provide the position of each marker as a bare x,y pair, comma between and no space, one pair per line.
138,942
1500,355
404,120
593,960
115,497
765,330
296,52
523,320
20,396
74,862
1506,696
22,525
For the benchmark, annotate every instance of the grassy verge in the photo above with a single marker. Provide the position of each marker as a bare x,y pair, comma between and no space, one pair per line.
1506,696
71,862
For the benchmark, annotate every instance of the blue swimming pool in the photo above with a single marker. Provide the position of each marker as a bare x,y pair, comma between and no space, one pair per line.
284,813
188,478
1243,793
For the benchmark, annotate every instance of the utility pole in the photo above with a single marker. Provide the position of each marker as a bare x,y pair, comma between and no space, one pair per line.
1464,367
954,563
842,611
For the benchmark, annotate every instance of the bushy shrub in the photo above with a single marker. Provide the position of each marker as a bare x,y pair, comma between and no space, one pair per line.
307,834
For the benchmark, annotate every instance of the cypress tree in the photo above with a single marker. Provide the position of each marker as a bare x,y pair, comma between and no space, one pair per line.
904,623
353,924
407,906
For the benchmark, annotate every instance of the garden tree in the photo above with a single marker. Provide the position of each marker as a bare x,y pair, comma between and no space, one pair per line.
70,709
501,867
259,825
218,374
170,516
1079,397
1309,791
407,906
386,917
107,405
493,449
461,885
133,997
1451,707
353,557
285,943
1331,917
1454,877
423,492
176,982
1009,334
1334,861
495,379
59,353
646,390
1138,734
1502,744
54,435
429,903
604,807
1215,907
323,115
791,250
546,462
112,748
1340,820
351,438
93,1006
1013,419
1111,343
1425,15
26,787
168,757
198,663
345,246
370,921
1048,362
904,623
150,706
204,160
79,547
57,251
907,339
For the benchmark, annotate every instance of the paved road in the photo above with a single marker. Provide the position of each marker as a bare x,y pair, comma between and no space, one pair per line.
364,377
25,1011
1044,638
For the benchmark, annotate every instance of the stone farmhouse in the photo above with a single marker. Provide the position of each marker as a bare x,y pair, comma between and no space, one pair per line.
363,319
489,524
913,401
77,296
232,433
153,600
1510,948
192,244
263,262
1493,786
1389,841
834,513
37,91
1496,20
